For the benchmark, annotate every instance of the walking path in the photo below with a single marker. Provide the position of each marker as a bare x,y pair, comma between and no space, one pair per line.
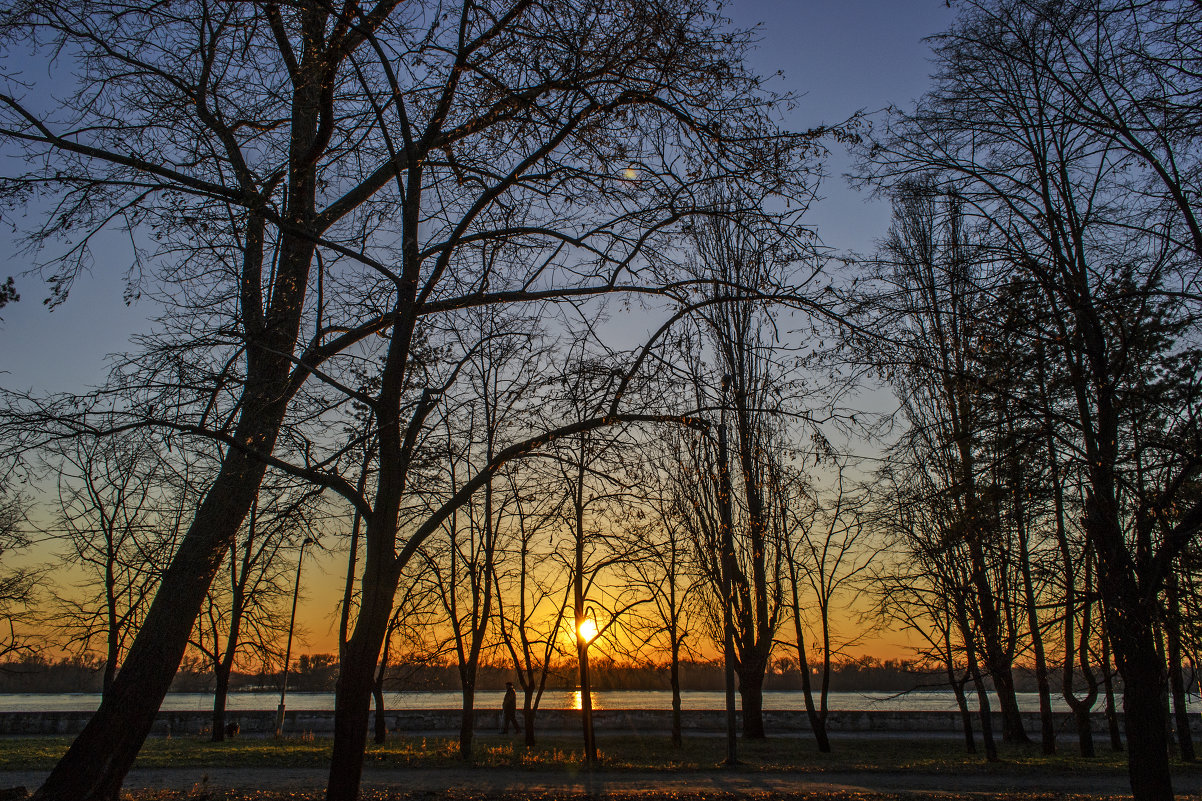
519,783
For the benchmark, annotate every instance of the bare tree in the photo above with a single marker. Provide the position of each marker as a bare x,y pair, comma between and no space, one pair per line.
590,466
663,568
530,626
17,585
117,517
1127,73
826,545
904,596
928,582
734,251
935,285
409,644
244,617
498,386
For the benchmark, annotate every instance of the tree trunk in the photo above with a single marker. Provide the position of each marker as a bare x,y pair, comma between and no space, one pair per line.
985,714
220,691
970,744
95,766
1112,714
997,661
1143,708
528,722
110,662
579,614
1131,616
674,677
467,720
226,666
974,669
957,685
348,591
1185,742
356,678
586,702
378,687
751,696
377,692
379,718
1080,706
1083,717
1012,719
1047,728
726,525
1047,724
817,719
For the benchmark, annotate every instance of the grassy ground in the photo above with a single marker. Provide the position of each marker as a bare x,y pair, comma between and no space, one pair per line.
643,795
628,752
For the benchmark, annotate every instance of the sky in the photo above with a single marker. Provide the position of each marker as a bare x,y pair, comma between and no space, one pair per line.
839,56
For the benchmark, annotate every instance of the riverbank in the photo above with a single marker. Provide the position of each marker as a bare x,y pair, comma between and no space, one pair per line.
175,723
922,700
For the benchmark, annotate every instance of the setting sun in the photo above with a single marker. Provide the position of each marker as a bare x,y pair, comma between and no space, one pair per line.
587,629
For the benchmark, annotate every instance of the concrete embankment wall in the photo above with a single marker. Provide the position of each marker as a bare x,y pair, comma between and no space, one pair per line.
606,721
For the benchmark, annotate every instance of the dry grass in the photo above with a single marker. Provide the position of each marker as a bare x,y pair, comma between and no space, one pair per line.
644,795
200,794
627,752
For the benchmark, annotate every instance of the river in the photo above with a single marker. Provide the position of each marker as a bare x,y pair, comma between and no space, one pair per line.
936,701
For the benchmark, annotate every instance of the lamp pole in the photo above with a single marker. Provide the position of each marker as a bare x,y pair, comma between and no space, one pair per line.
726,526
279,712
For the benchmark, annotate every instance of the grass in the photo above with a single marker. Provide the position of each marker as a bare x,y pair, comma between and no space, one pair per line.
202,794
631,752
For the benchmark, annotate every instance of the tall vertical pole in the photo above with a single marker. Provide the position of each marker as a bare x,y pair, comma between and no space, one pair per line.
279,712
580,615
726,524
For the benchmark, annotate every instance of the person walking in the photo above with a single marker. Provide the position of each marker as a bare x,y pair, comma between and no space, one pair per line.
510,707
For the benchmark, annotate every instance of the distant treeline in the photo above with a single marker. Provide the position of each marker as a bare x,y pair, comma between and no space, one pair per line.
318,672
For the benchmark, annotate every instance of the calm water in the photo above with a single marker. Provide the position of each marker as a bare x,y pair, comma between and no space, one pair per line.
604,699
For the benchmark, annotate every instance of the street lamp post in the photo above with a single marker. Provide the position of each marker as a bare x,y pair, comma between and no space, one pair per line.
726,525
279,712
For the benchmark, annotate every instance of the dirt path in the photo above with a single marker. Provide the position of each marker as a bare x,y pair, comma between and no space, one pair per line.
518,783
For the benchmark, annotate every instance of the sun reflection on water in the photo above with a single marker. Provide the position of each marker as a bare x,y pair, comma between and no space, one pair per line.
578,700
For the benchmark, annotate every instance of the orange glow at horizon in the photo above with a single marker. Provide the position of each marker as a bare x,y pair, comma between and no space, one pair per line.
322,587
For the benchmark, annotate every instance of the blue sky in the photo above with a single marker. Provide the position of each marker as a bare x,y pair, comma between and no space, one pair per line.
840,56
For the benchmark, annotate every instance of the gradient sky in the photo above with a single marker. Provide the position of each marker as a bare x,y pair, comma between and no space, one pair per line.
840,56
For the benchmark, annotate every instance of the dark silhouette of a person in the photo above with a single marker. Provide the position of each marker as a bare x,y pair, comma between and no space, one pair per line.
510,707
